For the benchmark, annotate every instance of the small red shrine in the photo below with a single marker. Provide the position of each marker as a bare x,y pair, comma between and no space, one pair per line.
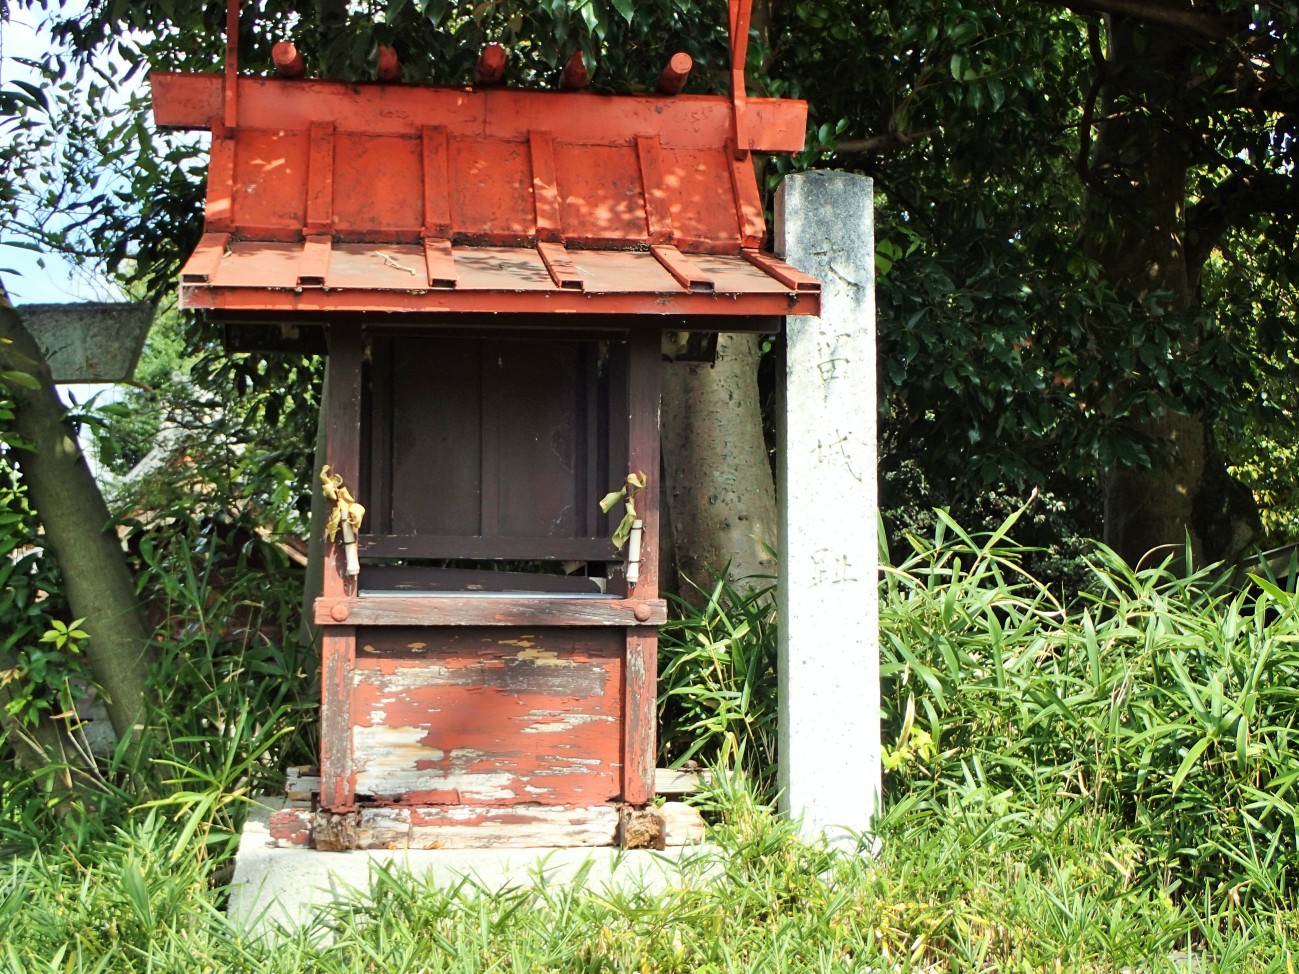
493,271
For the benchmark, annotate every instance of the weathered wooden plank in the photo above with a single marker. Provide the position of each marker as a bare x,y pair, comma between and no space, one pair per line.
343,445
674,781
490,610
643,449
388,827
639,728
488,716
337,791
537,643
303,785
529,827
377,439
477,547
682,824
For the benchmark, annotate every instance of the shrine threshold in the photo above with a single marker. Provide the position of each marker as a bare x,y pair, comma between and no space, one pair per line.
496,275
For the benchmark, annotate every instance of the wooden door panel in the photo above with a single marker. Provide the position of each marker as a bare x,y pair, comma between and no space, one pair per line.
488,716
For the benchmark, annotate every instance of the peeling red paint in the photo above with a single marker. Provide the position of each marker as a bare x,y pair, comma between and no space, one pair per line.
489,718
291,826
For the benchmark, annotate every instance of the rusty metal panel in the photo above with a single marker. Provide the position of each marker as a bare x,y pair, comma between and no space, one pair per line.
702,206
191,101
492,190
488,716
260,264
395,165
365,166
601,195
270,190
263,277
516,268
394,266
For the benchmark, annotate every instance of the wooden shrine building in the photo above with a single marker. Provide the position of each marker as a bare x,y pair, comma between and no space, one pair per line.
492,271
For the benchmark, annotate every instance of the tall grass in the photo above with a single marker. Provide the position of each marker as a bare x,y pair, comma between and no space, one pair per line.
975,892
1168,702
717,682
1096,786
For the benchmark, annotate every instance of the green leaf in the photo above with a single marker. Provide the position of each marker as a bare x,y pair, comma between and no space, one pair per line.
24,380
623,531
1188,762
624,7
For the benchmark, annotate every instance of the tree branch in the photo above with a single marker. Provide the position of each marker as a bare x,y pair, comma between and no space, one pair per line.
1088,118
1240,195
1183,18
873,145
78,528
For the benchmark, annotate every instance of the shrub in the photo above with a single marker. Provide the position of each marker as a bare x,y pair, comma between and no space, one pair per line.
717,683
1167,701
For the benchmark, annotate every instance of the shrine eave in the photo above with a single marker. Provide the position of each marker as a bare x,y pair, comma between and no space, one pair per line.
319,277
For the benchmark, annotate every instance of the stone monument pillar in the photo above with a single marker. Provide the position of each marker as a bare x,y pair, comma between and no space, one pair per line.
829,558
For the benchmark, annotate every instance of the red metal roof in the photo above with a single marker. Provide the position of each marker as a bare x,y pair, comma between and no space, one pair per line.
325,196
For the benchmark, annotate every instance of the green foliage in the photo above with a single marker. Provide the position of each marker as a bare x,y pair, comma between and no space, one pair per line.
234,435
124,431
1166,703
44,670
1161,705
717,683
1050,803
1051,528
234,689
1011,355
985,888
237,692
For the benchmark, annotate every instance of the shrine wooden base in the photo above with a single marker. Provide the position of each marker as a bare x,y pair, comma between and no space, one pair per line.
302,823
671,824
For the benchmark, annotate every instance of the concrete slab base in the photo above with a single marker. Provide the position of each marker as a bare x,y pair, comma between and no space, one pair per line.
277,888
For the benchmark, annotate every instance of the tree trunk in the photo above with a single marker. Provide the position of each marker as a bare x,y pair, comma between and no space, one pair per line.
1135,227
78,528
720,493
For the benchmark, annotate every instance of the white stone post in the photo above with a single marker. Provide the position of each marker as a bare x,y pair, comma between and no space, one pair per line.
829,557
